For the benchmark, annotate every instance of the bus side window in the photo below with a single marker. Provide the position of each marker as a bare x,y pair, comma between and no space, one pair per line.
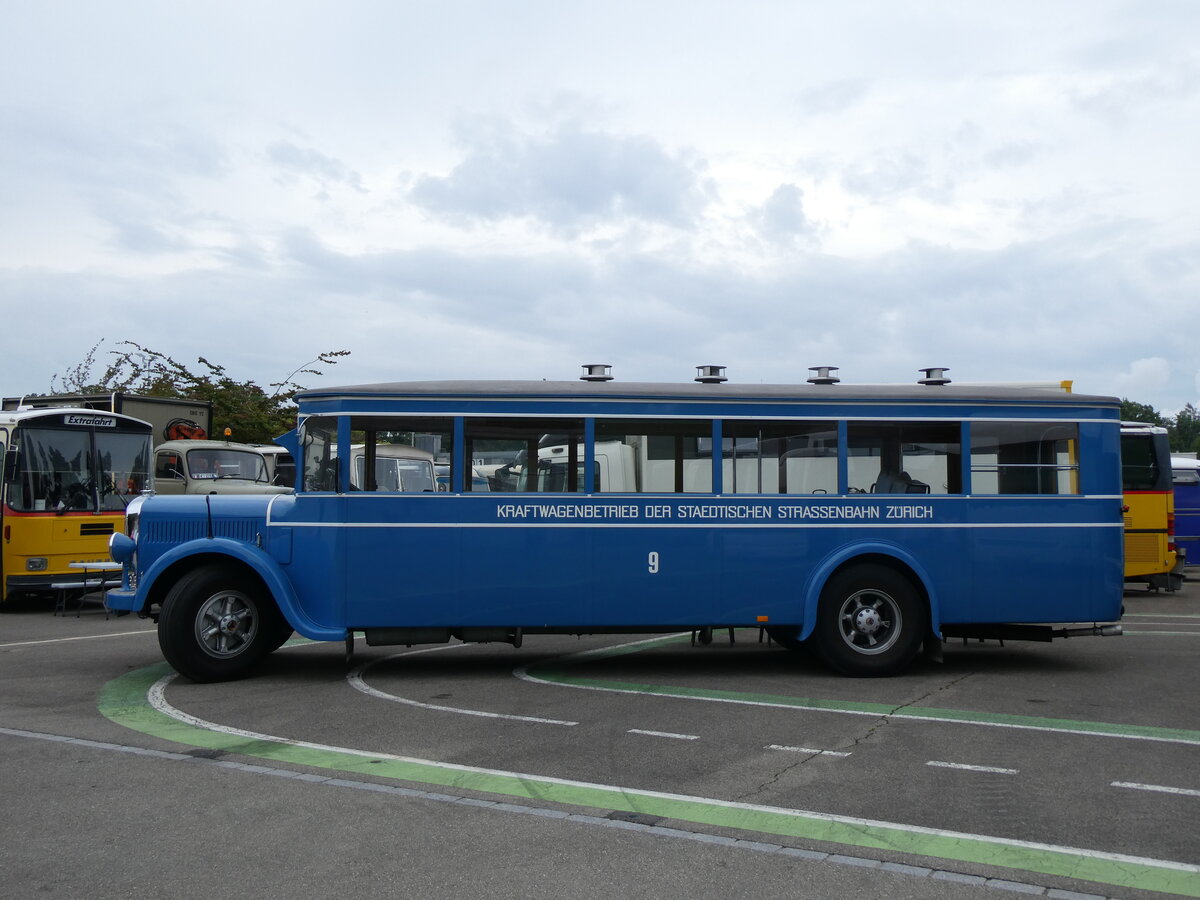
673,456
904,458
778,458
392,455
1024,458
528,455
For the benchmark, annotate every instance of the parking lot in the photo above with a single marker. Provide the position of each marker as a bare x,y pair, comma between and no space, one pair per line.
583,767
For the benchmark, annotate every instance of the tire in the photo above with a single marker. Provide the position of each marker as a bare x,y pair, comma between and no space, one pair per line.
283,631
217,624
787,637
870,622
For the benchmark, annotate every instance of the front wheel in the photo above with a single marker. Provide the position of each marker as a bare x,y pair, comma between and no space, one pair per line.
870,622
216,624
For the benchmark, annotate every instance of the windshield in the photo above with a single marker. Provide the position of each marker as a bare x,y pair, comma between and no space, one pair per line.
124,466
62,470
221,462
1143,458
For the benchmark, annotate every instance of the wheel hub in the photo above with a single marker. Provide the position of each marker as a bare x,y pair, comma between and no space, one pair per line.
870,622
867,621
226,624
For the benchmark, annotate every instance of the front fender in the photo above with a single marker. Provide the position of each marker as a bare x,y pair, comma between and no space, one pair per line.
822,572
254,557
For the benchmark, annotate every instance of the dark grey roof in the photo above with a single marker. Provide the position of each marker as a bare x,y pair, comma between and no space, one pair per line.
690,390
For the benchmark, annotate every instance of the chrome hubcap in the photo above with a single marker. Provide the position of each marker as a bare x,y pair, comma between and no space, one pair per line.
870,622
226,624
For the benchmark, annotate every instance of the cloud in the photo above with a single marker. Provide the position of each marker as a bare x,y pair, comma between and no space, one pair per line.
69,172
297,161
104,154
781,219
568,179
1034,312
1118,97
876,191
1143,378
889,173
832,96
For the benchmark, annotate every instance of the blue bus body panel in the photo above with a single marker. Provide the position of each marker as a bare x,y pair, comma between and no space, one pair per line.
1187,520
353,561
504,560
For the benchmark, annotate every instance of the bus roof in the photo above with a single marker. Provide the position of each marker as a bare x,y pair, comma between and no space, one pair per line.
79,415
1142,428
1049,395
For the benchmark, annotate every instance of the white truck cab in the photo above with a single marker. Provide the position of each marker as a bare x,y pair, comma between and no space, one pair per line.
211,467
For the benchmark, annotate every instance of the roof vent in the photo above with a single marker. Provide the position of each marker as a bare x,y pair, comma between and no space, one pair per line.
934,375
823,375
596,372
710,374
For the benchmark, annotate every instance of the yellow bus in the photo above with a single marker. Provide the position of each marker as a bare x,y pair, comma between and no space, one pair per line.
1149,510
68,476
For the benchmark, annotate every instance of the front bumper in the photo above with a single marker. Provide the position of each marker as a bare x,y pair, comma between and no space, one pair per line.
120,598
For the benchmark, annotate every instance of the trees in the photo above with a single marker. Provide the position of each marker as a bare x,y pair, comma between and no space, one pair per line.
251,413
1139,412
1183,429
1185,433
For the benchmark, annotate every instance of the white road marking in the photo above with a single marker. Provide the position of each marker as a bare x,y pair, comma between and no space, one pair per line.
1162,789
966,768
86,637
666,734
805,750
356,681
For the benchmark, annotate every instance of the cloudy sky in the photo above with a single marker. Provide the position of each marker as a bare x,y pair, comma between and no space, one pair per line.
471,189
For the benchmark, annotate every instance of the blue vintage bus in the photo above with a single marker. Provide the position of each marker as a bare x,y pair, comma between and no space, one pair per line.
863,521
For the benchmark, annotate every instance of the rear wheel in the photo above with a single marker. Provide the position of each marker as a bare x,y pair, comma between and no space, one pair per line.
871,621
217,624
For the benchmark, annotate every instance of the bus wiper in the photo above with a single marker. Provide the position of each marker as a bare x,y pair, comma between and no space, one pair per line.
78,491
110,488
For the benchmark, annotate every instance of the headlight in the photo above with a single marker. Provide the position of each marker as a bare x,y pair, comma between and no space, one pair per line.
121,548
133,513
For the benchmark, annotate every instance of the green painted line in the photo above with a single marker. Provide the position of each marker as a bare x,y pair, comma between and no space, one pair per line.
124,701
552,672
930,714
1139,633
